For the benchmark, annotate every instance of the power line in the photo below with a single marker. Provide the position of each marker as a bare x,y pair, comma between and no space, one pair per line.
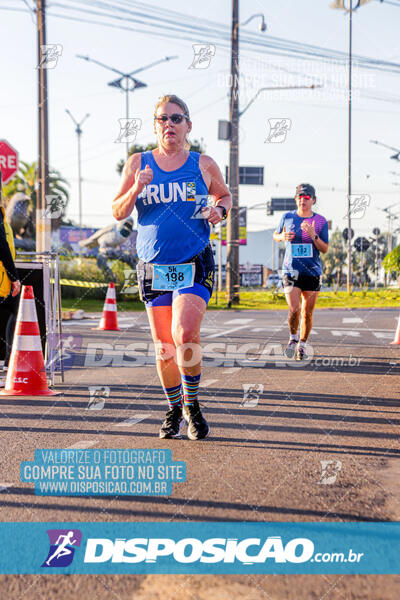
189,26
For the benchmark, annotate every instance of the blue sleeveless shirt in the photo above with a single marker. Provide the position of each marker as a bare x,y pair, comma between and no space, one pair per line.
168,231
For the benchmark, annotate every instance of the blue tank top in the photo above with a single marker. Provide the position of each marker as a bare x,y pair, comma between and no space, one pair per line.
168,230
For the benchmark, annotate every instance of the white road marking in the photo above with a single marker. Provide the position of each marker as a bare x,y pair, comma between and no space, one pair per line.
132,420
225,332
352,320
345,332
270,328
4,486
232,370
383,335
207,382
238,321
82,445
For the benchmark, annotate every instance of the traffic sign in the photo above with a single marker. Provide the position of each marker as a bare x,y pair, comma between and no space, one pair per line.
281,204
345,234
361,244
376,231
249,175
8,161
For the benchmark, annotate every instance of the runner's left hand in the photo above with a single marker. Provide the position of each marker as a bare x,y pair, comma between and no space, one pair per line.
213,214
309,229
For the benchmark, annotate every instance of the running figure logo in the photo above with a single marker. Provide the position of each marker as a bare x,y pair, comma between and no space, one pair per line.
330,471
358,205
251,394
49,54
62,542
278,129
128,130
203,54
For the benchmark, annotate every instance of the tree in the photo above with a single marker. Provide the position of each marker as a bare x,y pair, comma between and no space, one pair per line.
391,262
334,260
26,181
195,146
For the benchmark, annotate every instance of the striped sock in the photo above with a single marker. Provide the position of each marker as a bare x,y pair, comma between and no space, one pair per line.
174,395
190,384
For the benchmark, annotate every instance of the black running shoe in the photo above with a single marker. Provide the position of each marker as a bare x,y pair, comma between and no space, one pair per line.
171,428
291,348
197,425
301,354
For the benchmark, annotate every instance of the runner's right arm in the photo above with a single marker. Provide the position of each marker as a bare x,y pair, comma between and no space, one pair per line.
133,182
280,234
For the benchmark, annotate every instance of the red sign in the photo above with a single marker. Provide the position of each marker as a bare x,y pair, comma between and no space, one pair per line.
8,161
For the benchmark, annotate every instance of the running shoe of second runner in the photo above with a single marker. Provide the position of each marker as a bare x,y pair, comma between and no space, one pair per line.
301,353
198,427
291,348
171,428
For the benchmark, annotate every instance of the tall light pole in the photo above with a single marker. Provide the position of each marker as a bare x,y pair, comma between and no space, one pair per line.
126,82
78,131
43,223
342,4
232,231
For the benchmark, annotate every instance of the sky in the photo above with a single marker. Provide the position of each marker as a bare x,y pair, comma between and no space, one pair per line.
315,147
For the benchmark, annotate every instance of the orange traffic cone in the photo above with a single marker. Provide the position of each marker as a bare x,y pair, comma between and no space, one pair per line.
109,320
397,334
26,375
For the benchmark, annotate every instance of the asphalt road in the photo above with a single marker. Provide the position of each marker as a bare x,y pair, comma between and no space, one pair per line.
316,441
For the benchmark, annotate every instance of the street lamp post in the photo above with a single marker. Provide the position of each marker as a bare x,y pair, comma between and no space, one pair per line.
232,231
78,131
341,5
126,82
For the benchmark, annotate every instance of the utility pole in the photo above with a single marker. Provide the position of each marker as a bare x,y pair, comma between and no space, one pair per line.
349,265
43,223
78,131
232,256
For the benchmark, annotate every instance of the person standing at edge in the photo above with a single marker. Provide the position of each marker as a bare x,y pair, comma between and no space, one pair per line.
10,285
306,235
169,187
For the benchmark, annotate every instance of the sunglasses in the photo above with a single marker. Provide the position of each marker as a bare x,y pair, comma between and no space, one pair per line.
175,118
304,197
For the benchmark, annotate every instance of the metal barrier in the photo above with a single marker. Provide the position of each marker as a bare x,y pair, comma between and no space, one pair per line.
42,271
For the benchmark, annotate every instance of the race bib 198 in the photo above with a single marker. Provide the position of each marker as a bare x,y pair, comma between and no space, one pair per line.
172,277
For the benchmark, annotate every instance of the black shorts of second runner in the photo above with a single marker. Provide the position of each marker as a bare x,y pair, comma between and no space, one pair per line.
203,281
307,283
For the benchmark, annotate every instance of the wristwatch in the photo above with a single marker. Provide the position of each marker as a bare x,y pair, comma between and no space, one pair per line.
316,237
224,212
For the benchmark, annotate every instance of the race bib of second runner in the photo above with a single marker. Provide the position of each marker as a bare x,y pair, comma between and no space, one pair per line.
302,250
172,277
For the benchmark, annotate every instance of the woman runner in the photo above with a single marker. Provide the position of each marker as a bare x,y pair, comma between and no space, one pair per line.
306,235
169,187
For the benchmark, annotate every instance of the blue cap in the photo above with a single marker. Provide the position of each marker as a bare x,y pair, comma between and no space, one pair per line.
305,189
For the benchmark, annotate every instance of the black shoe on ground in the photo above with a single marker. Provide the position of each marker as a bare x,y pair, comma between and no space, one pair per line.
291,348
197,425
171,428
301,353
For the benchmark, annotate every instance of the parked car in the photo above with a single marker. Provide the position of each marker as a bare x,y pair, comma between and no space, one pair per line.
274,281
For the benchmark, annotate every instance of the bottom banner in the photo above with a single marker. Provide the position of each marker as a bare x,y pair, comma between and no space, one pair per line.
192,547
